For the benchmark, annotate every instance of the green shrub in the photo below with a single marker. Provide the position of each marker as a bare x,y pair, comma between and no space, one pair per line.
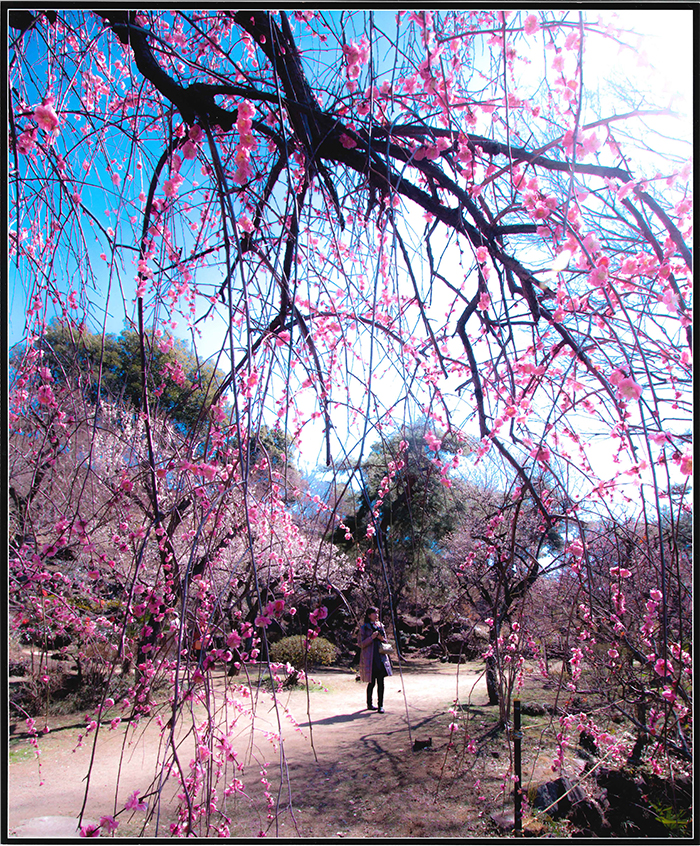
292,650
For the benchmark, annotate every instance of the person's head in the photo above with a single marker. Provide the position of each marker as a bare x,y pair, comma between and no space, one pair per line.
372,614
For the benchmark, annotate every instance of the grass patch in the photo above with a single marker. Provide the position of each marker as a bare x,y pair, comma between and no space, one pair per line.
473,710
266,682
20,752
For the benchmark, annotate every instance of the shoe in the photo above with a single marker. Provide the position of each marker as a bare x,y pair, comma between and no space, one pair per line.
380,710
371,708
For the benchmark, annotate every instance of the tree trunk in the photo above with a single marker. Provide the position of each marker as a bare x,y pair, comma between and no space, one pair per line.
492,686
492,680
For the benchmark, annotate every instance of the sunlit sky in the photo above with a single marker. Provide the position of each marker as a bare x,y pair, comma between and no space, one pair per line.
661,62
665,49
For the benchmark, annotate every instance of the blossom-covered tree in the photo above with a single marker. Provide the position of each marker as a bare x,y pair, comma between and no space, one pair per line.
500,549
361,218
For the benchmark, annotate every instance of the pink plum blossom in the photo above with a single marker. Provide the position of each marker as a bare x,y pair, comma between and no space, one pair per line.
541,453
172,185
234,640
669,695
109,824
26,143
133,803
347,141
663,668
46,396
531,24
686,464
484,301
90,830
46,116
627,388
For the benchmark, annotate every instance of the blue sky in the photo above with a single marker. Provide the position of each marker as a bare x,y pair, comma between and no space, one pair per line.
668,47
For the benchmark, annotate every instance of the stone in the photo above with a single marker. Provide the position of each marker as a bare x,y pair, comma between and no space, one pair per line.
54,827
504,820
557,797
533,709
534,828
625,798
587,814
587,742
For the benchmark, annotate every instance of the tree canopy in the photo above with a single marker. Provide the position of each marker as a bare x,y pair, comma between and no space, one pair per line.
179,386
406,505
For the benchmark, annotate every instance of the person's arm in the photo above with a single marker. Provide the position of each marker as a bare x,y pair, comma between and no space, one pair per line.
365,642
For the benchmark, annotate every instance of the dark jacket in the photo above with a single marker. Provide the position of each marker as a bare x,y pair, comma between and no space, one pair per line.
369,646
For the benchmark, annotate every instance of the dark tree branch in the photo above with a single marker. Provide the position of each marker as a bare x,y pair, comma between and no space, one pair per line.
319,134
672,230
496,148
195,103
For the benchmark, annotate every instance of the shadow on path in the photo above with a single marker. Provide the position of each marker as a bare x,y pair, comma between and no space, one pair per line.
338,718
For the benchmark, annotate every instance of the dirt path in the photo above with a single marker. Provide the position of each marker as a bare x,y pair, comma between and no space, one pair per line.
364,779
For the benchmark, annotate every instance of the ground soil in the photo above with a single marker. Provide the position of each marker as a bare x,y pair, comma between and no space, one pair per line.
346,771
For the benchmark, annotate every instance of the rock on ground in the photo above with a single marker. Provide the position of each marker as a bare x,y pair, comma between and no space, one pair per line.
53,827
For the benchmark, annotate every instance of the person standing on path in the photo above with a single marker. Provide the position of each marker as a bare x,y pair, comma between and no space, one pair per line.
374,666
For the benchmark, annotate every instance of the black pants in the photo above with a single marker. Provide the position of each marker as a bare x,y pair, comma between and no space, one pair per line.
380,691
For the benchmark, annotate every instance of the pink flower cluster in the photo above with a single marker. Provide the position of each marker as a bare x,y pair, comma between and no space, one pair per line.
541,453
627,388
108,823
318,614
356,55
531,24
347,141
539,205
46,117
191,147
586,145
26,142
274,609
248,383
46,396
133,803
172,185
433,441
575,662
576,548
484,301
246,144
433,151
393,467
685,462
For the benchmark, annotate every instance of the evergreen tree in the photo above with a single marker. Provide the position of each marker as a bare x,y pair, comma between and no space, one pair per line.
179,384
407,505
